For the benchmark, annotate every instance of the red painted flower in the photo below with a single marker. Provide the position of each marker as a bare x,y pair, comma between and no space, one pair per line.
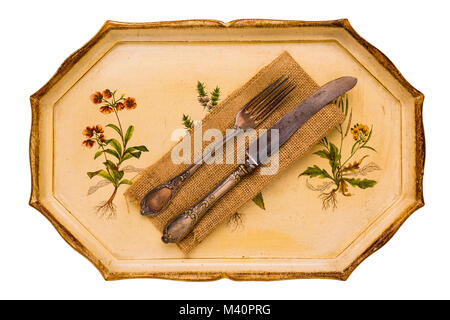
97,97
120,106
98,128
106,109
88,132
107,93
102,137
130,103
89,143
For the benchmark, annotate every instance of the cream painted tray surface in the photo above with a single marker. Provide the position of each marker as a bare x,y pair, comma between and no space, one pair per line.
159,64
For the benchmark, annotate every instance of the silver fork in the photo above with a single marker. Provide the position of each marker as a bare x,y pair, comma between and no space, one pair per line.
249,117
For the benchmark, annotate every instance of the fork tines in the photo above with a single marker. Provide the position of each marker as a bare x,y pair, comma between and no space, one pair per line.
263,104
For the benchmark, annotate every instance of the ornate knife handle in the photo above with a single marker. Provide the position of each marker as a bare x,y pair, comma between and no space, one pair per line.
183,224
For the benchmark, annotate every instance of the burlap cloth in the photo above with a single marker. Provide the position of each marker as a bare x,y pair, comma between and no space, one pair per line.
209,175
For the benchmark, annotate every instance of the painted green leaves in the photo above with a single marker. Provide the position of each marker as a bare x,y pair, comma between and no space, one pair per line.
315,171
187,121
208,101
259,201
341,173
113,151
119,152
361,183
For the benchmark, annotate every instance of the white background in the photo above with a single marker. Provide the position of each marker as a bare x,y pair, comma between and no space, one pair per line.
35,262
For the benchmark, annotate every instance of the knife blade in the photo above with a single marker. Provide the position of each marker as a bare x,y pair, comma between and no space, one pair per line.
289,124
179,227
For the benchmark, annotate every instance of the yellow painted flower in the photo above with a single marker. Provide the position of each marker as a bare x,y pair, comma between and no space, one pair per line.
360,132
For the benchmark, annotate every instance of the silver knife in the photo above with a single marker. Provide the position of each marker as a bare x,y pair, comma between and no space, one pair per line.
177,229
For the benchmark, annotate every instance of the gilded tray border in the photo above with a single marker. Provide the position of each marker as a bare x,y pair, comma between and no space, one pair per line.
242,23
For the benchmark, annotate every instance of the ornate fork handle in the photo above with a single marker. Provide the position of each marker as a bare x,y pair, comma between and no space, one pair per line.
157,199
183,224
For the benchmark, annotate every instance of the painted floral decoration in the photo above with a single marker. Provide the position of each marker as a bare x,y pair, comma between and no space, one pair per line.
342,173
113,151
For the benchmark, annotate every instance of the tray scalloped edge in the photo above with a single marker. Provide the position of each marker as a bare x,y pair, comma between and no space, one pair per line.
241,23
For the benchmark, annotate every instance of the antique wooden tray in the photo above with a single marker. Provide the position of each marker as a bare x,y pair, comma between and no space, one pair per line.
311,226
